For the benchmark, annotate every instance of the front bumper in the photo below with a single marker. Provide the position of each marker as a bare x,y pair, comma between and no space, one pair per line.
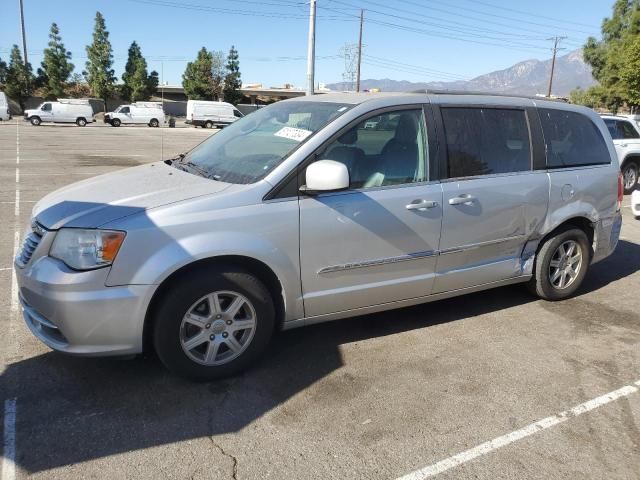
74,312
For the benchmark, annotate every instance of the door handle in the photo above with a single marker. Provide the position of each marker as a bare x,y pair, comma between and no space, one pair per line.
422,205
464,199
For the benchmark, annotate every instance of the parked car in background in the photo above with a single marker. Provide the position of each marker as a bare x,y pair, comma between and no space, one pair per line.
626,138
635,203
138,113
205,114
65,110
5,112
298,214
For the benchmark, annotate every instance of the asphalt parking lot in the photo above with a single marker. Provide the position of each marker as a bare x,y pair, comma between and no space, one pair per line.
373,397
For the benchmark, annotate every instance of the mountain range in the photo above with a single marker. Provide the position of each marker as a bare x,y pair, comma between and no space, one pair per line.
529,77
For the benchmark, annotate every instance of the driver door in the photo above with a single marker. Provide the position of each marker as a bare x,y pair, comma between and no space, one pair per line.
376,242
46,112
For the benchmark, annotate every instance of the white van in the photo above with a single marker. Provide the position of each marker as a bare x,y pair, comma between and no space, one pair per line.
65,110
5,113
138,113
205,114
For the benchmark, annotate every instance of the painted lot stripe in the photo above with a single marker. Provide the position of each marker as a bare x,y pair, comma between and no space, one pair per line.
504,440
9,440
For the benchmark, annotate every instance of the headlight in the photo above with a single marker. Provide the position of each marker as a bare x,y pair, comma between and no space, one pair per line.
86,249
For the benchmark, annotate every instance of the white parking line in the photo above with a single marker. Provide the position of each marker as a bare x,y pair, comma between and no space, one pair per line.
540,425
9,440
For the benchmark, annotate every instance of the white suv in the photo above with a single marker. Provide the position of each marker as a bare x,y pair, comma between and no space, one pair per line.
626,138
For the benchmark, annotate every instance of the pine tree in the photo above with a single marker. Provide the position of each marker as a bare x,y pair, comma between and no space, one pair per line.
3,72
138,85
56,66
232,80
19,78
99,74
197,78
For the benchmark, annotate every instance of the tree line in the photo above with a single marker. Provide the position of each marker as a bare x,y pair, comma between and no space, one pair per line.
615,61
208,77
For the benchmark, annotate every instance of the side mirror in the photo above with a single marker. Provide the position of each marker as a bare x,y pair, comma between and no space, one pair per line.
326,176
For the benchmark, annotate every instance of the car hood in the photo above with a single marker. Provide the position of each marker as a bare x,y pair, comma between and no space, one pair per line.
103,199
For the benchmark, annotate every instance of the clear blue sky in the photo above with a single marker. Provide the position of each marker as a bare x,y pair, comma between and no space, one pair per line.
405,39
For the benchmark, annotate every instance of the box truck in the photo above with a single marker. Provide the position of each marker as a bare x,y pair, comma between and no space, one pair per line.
65,110
138,113
206,114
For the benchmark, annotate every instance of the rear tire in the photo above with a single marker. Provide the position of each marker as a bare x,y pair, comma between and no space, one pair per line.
35,121
154,123
561,265
630,176
81,122
116,122
208,124
196,334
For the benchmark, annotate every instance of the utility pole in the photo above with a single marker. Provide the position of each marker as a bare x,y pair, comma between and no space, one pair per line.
24,37
556,40
311,52
359,52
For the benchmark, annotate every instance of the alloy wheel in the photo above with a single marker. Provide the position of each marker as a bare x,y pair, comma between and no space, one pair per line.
565,264
630,177
218,328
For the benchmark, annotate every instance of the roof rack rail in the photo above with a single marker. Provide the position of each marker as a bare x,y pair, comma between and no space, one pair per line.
489,94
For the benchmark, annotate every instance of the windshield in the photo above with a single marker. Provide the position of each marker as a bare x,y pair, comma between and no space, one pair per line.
248,149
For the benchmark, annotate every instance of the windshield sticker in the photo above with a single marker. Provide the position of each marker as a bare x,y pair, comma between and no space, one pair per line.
297,134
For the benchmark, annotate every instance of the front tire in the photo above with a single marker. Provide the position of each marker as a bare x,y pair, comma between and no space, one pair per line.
630,176
213,323
35,121
561,265
116,122
81,122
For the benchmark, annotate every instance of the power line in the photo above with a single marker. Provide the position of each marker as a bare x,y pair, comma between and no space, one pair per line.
229,11
450,23
493,15
529,14
504,44
453,29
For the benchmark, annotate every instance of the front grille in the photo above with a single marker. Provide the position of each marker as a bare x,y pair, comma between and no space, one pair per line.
28,247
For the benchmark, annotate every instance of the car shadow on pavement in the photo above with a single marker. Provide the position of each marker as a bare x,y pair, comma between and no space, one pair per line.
73,410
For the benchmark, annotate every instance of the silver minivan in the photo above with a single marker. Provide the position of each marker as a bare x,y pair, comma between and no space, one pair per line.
302,213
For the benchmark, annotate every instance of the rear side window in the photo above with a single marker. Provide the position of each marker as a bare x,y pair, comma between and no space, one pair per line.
627,130
482,141
572,140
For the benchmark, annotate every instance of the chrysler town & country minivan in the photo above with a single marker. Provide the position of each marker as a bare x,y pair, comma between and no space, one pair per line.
299,213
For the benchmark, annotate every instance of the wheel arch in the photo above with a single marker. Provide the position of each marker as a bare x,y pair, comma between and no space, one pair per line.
581,222
631,157
256,267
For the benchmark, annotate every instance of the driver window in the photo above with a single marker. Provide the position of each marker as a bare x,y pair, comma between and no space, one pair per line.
382,150
124,110
46,107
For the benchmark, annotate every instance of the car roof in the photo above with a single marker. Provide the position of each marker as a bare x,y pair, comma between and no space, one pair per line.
433,96
614,117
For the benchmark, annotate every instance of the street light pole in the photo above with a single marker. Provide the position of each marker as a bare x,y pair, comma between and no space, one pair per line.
311,52
359,52
24,37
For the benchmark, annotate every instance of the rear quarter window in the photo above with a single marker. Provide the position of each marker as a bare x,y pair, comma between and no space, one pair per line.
572,140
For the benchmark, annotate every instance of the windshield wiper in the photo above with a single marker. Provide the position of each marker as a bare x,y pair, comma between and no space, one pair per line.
178,158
